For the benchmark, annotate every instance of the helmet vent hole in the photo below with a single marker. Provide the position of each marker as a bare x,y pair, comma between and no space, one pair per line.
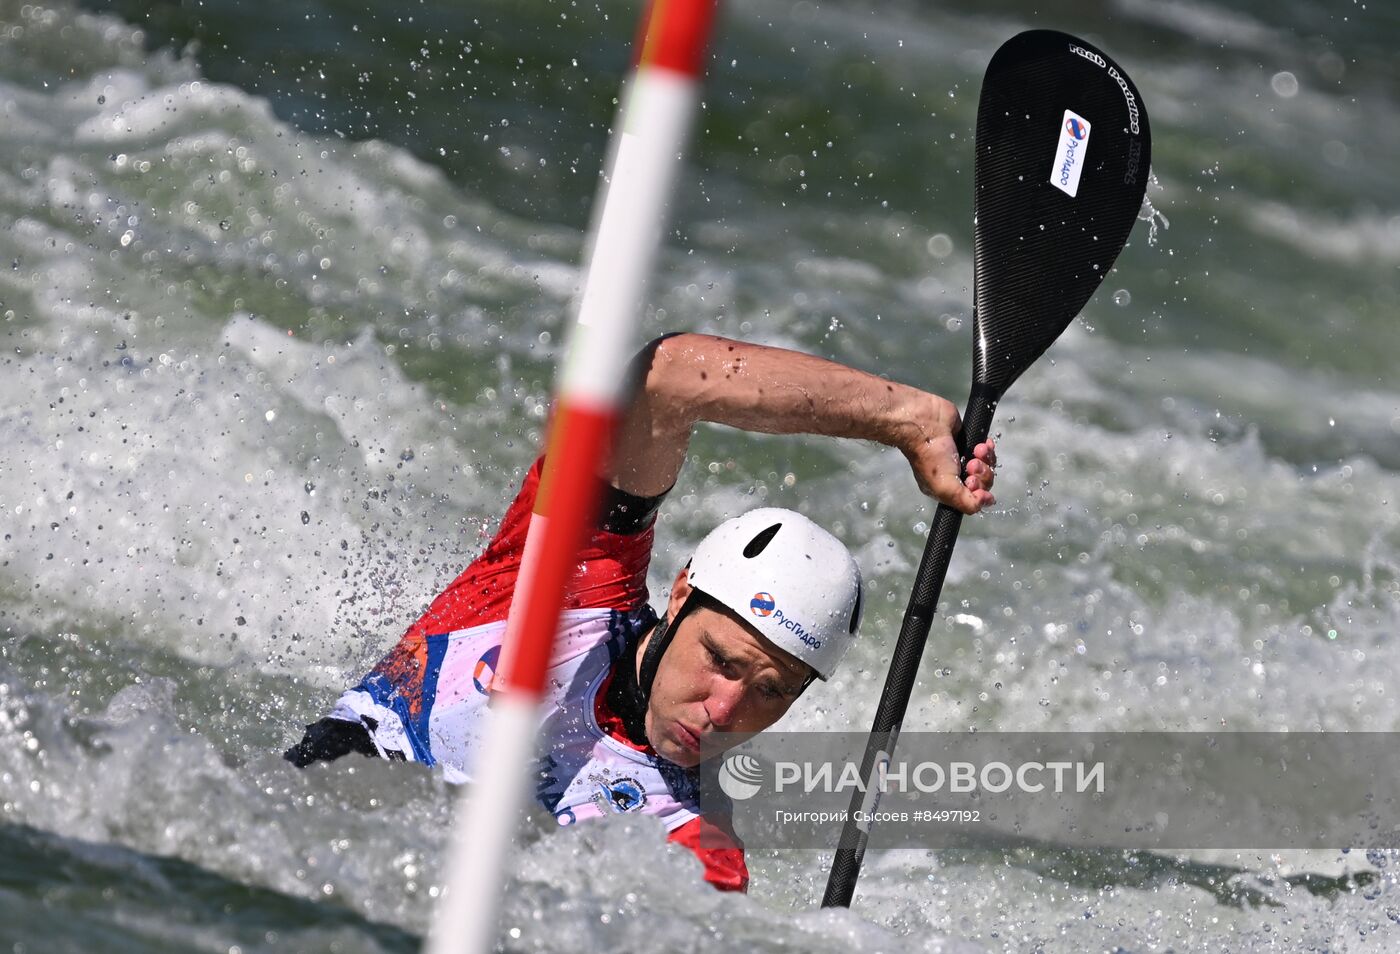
759,543
855,613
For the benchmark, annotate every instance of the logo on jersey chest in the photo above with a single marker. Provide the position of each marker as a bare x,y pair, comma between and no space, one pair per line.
616,794
484,675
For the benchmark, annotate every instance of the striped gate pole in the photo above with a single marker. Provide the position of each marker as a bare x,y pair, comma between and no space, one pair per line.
648,141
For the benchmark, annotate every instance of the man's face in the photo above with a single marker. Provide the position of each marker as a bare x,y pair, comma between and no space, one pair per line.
718,683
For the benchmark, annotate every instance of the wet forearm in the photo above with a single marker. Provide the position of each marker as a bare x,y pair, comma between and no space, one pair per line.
691,378
776,391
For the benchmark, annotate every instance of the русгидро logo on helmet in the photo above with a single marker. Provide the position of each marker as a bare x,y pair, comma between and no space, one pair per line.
762,604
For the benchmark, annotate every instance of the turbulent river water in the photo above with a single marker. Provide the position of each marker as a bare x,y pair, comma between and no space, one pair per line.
281,289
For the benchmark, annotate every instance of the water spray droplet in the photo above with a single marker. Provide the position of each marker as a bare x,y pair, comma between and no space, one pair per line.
1285,84
1151,215
940,246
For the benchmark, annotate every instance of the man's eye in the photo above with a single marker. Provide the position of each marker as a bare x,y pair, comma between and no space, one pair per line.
716,659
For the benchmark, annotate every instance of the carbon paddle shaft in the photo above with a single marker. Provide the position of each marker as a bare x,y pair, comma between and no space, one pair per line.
1062,160
904,663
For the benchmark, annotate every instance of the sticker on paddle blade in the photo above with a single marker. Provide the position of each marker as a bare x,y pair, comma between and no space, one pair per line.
1069,158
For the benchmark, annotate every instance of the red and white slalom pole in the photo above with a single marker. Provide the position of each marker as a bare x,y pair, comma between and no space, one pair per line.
648,141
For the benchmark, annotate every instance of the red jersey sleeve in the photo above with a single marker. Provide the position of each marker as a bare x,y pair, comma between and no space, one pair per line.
611,573
612,568
719,849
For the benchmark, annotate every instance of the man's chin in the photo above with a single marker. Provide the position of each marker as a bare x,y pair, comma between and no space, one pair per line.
687,757
679,755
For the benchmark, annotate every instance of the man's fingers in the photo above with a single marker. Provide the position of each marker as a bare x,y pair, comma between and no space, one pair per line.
951,491
969,495
980,476
964,486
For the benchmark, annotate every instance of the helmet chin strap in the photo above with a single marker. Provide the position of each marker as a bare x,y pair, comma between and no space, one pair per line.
660,639
630,692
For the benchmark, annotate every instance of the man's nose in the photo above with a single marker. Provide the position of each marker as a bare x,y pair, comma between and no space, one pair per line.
723,702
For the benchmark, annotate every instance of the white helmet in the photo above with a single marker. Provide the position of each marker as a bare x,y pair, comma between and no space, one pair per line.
787,578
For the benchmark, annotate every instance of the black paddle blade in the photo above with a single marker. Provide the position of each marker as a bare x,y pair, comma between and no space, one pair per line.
1062,162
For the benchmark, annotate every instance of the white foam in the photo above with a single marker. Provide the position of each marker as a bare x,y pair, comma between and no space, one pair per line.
1202,19
1362,238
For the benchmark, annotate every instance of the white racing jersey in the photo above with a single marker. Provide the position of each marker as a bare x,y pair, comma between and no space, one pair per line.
584,771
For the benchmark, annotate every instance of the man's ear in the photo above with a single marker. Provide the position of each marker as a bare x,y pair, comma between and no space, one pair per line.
680,592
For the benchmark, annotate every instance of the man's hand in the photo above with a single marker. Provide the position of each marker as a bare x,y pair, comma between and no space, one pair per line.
927,442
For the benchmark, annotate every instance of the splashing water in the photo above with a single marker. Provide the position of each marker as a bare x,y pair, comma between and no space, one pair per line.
1151,214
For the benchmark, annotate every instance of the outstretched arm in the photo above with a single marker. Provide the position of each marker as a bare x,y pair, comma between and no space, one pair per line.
694,378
